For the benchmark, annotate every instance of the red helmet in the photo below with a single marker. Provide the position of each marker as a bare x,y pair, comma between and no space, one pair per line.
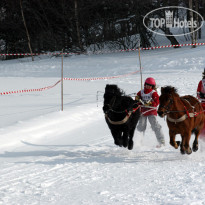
150,81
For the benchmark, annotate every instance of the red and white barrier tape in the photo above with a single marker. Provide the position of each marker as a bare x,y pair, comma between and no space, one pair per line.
72,79
169,46
29,90
100,78
101,52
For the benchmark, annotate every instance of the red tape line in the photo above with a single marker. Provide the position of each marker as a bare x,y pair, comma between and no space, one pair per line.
72,79
99,52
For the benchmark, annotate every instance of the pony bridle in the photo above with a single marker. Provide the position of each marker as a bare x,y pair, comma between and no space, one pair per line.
167,107
110,105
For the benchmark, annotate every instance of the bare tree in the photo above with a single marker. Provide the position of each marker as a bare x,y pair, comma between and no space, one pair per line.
27,33
197,19
77,25
193,34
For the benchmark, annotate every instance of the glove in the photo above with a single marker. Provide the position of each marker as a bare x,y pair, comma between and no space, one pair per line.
147,103
201,95
137,97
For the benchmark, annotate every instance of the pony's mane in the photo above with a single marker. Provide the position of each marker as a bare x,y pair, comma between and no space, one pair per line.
168,90
114,89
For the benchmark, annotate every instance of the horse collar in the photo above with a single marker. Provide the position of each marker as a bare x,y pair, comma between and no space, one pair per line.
183,117
123,121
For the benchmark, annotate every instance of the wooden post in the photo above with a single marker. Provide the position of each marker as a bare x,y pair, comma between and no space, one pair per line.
62,82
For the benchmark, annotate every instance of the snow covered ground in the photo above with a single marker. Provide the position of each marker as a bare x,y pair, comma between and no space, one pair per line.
57,158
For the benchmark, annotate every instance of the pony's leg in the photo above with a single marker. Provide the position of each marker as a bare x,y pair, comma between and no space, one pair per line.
172,142
195,145
185,142
125,138
182,148
130,142
117,137
197,131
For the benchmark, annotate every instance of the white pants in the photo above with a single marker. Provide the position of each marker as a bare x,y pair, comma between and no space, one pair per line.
156,127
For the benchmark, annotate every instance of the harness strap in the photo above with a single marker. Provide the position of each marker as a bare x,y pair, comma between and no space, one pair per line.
184,117
186,111
121,121
128,114
135,109
197,113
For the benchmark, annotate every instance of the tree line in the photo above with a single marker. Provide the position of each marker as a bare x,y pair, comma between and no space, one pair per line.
78,25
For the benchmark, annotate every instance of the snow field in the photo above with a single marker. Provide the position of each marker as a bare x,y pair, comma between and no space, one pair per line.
52,157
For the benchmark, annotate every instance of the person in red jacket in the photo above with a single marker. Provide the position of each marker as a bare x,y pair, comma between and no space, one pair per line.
201,88
201,97
150,100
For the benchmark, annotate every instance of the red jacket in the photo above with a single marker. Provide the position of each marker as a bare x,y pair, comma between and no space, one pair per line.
200,89
154,102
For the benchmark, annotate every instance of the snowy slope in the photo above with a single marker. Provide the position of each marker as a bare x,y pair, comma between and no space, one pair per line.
53,157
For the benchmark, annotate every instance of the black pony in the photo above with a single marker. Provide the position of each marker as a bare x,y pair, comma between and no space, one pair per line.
121,115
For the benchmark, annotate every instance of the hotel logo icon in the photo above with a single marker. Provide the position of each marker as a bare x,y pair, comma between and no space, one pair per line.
169,19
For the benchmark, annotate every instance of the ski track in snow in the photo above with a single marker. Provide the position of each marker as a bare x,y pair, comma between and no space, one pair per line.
69,157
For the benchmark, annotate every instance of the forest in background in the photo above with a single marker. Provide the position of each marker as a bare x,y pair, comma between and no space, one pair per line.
76,25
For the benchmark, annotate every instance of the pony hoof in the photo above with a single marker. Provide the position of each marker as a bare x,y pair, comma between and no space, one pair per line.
178,143
188,151
195,148
130,146
175,144
125,143
118,143
182,151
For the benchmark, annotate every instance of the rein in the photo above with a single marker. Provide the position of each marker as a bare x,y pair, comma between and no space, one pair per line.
124,111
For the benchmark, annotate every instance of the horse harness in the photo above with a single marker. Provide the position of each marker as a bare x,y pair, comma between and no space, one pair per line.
183,117
126,118
121,121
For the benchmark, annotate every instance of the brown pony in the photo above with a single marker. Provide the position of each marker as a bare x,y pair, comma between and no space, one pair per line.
184,116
